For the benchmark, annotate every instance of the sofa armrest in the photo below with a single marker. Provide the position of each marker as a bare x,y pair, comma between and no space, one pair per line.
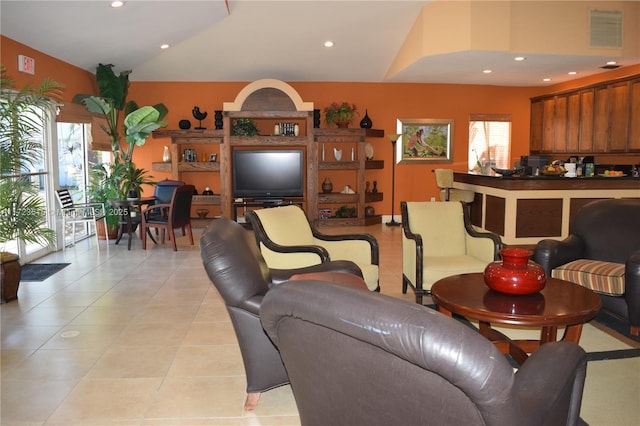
412,244
279,276
478,250
550,384
552,253
632,287
370,239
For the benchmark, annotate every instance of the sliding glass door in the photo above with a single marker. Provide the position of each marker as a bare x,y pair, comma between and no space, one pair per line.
74,161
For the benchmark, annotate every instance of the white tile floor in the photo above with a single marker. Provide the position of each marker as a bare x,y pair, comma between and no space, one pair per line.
142,338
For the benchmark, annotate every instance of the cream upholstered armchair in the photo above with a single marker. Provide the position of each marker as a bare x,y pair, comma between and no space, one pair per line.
287,240
438,241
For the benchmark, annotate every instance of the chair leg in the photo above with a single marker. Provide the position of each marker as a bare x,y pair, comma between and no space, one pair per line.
172,238
64,234
106,230
143,235
252,401
190,233
95,229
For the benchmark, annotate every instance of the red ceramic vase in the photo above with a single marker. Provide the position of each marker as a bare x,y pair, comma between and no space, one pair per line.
515,274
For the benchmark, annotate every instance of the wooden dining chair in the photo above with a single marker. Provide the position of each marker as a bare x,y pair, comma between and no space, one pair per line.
178,216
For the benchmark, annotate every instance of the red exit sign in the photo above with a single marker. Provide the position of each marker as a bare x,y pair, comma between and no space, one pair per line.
26,64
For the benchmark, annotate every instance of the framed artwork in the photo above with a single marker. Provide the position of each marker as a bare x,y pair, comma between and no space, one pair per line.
424,140
213,158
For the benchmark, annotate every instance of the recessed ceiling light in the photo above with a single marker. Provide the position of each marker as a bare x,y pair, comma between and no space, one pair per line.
328,43
611,63
572,72
546,79
164,46
117,3
519,58
487,71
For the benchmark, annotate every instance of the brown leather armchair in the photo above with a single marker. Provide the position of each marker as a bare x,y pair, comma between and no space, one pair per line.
431,369
602,231
239,273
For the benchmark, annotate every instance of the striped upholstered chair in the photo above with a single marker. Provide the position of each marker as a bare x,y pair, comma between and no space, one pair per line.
602,252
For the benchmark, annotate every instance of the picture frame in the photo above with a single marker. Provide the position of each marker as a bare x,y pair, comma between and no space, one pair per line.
213,158
424,140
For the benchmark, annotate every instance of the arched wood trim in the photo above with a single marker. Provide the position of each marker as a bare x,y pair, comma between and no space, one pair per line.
248,90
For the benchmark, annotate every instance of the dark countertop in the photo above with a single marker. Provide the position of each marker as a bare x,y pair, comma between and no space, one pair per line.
548,182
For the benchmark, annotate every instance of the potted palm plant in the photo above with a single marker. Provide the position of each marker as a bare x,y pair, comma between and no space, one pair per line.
138,124
104,187
23,112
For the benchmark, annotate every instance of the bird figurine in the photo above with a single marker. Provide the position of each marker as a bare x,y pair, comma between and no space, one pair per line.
199,115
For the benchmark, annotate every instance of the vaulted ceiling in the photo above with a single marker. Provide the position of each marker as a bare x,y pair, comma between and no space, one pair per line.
375,40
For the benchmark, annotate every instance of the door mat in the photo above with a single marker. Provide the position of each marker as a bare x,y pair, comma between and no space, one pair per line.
40,271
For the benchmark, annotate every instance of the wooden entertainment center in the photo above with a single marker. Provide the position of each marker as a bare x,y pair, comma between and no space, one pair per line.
268,102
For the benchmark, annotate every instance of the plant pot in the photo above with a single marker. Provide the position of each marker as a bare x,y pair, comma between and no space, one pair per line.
113,231
10,273
343,124
515,273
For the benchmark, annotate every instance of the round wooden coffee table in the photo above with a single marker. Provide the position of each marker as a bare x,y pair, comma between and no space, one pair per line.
559,304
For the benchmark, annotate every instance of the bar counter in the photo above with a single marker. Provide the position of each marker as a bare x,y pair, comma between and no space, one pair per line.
524,210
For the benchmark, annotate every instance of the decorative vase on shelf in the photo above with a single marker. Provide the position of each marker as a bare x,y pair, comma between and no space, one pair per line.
366,122
327,186
316,118
337,154
217,119
515,273
166,156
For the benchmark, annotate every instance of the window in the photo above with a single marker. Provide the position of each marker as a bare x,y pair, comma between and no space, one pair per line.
489,142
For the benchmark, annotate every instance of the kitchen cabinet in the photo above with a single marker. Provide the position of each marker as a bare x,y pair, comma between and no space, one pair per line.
602,118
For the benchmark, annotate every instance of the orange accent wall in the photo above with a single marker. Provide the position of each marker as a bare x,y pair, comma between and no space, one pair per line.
75,80
385,103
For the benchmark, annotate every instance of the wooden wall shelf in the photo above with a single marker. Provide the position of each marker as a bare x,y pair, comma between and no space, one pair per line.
255,102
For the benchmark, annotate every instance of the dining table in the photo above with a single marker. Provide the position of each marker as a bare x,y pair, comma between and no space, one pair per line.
130,211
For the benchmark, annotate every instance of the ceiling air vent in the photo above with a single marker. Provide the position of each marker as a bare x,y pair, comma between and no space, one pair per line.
605,28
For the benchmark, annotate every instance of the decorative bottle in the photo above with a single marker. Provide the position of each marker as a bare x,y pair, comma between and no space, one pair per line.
166,156
366,122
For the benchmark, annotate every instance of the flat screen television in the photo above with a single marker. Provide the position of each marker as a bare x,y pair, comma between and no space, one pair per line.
268,174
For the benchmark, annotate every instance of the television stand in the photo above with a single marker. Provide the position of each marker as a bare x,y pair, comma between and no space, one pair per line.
261,203
268,202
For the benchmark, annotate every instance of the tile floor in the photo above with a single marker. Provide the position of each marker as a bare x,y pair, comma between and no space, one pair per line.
142,338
